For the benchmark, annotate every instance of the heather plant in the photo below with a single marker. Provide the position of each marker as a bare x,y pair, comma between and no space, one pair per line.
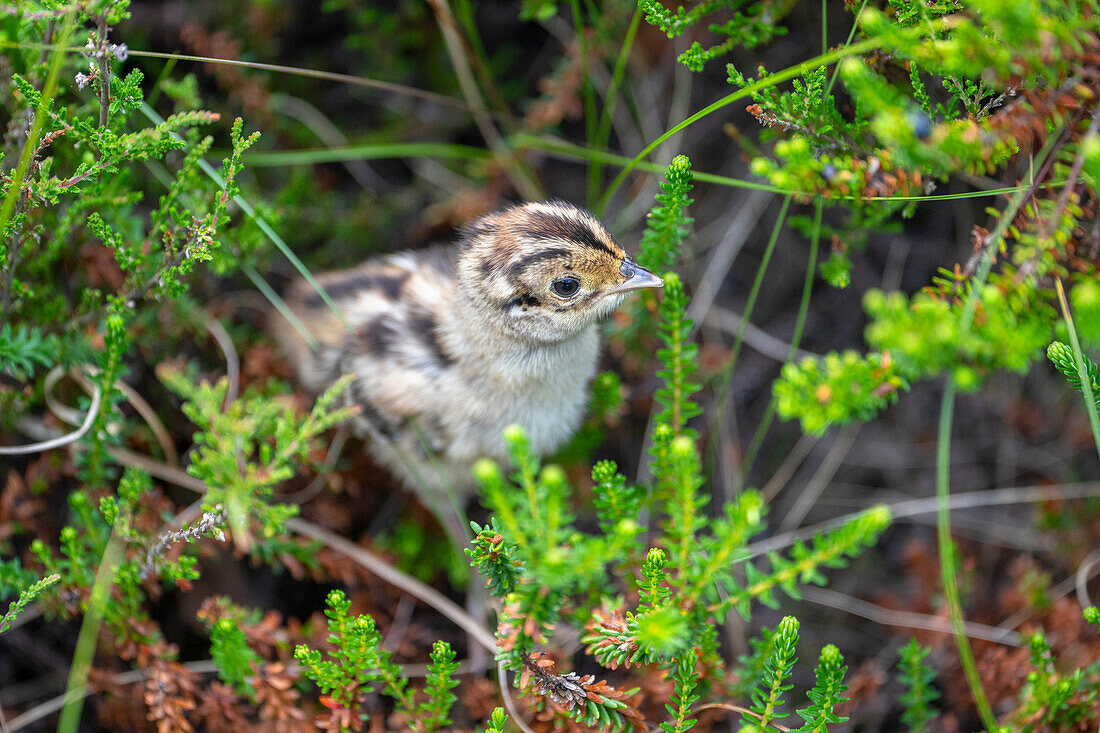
114,217
545,570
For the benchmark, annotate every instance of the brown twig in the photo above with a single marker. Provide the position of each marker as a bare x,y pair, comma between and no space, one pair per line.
209,522
518,173
737,709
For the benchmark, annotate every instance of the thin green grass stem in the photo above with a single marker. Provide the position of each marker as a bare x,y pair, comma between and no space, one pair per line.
165,73
1079,358
279,304
365,152
790,72
796,339
88,639
808,283
435,97
603,131
588,89
564,149
478,58
948,566
851,35
248,209
726,381
757,441
49,90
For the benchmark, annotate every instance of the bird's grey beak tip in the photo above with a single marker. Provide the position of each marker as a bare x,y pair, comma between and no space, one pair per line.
637,278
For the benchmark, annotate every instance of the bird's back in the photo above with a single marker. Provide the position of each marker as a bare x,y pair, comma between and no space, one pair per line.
386,332
389,309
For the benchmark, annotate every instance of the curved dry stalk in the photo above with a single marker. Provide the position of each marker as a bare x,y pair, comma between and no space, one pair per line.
139,403
813,489
125,678
232,358
737,709
917,507
755,337
1081,577
320,125
45,445
509,703
906,619
330,539
397,578
335,448
517,172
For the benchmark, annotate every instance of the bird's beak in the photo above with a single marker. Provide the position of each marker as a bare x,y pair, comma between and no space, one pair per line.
637,277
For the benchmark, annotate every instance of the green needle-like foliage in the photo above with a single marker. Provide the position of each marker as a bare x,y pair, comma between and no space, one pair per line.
668,222
497,721
247,447
1053,699
357,662
435,711
826,693
653,591
918,678
1061,355
917,338
767,698
617,504
235,660
81,544
836,389
684,678
26,597
831,549
685,505
493,558
1092,615
678,360
22,349
749,27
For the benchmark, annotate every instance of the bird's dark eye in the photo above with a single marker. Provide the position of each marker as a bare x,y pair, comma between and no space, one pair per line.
565,287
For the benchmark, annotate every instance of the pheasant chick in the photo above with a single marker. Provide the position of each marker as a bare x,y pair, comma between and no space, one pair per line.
452,344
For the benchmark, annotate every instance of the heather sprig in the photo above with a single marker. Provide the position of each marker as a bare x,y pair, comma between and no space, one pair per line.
234,658
668,222
352,667
1061,355
749,27
23,349
678,360
826,693
247,446
918,678
1053,698
26,597
767,697
684,678
435,711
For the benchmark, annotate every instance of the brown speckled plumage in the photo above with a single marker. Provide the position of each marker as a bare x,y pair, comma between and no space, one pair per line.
451,344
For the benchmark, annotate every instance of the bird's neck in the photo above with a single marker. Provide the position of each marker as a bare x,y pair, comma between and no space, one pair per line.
490,349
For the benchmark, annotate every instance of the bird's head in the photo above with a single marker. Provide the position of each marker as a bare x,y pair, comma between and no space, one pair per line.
543,272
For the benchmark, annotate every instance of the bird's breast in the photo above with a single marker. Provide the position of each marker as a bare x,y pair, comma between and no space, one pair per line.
544,389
